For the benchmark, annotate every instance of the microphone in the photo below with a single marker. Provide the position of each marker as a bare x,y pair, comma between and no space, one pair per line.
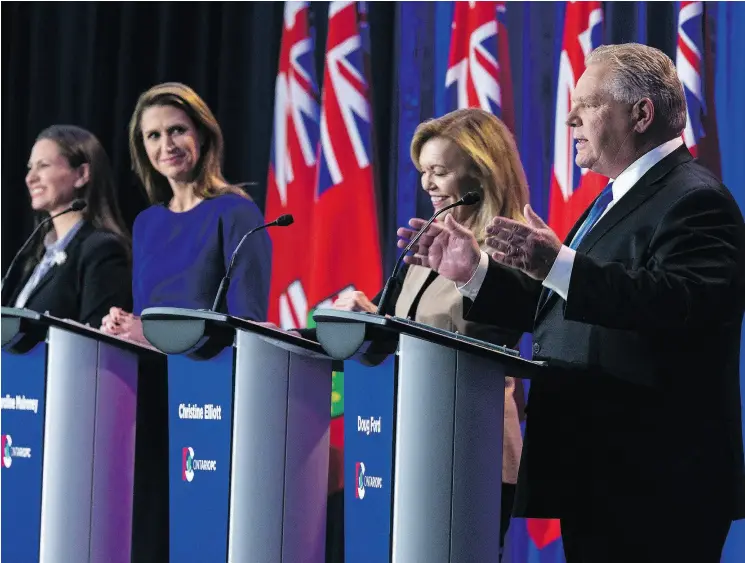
76,205
222,291
393,284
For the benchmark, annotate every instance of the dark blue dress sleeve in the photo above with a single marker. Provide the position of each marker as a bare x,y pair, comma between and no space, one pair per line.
248,296
137,289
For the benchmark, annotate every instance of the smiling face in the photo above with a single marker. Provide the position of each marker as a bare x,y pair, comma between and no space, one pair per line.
602,126
171,141
51,181
445,176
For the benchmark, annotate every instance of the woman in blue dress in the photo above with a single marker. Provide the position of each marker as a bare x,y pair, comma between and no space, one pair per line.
182,244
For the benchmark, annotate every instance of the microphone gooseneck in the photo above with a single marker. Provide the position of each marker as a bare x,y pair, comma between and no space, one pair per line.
392,285
76,205
222,291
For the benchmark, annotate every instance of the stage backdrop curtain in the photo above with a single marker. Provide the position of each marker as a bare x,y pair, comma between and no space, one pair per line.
87,63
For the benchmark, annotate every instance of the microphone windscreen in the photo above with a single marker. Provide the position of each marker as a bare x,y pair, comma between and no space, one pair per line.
470,198
78,205
284,220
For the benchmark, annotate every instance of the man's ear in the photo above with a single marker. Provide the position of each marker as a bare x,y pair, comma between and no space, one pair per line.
84,175
642,115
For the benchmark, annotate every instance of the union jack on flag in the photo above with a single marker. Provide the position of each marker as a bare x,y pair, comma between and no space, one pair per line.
293,168
572,189
478,73
690,64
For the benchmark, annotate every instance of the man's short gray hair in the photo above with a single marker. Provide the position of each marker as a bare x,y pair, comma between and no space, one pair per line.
639,71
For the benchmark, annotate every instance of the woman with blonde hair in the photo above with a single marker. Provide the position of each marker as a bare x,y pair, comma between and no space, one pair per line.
183,243
466,150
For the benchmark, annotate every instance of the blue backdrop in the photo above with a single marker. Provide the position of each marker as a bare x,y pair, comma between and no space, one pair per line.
729,92
535,30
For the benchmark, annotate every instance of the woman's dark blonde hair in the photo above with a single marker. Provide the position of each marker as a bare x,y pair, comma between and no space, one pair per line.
208,181
494,162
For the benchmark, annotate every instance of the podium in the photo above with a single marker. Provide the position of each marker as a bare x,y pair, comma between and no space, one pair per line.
432,490
80,473
249,411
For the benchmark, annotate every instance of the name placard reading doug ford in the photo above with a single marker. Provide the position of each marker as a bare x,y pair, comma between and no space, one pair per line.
368,460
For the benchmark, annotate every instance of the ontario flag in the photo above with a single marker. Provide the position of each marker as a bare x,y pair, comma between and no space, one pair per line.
479,72
694,62
293,169
345,243
572,189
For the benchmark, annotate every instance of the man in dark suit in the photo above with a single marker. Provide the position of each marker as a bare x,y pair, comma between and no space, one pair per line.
633,436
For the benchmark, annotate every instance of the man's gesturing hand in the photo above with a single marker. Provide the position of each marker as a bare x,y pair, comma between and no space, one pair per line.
531,248
448,248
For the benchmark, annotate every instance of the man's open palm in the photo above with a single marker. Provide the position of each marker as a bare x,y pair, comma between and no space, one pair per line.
448,248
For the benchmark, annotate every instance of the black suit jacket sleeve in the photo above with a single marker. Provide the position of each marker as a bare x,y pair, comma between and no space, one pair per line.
693,276
105,276
507,298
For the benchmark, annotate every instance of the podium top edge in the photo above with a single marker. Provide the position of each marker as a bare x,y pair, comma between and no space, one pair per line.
97,334
336,316
464,342
49,321
435,335
21,313
165,313
277,334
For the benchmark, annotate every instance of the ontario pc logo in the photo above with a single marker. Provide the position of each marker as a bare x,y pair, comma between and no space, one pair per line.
364,481
189,465
359,477
7,443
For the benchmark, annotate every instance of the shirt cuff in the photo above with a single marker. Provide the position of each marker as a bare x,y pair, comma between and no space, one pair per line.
560,275
471,288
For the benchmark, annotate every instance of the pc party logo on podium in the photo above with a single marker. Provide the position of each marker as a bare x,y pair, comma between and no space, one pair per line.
359,472
365,481
10,451
7,443
187,464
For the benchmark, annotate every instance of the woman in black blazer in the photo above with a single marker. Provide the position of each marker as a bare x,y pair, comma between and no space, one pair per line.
79,265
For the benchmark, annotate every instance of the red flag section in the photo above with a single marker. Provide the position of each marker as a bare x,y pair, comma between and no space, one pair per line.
293,169
572,189
345,244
